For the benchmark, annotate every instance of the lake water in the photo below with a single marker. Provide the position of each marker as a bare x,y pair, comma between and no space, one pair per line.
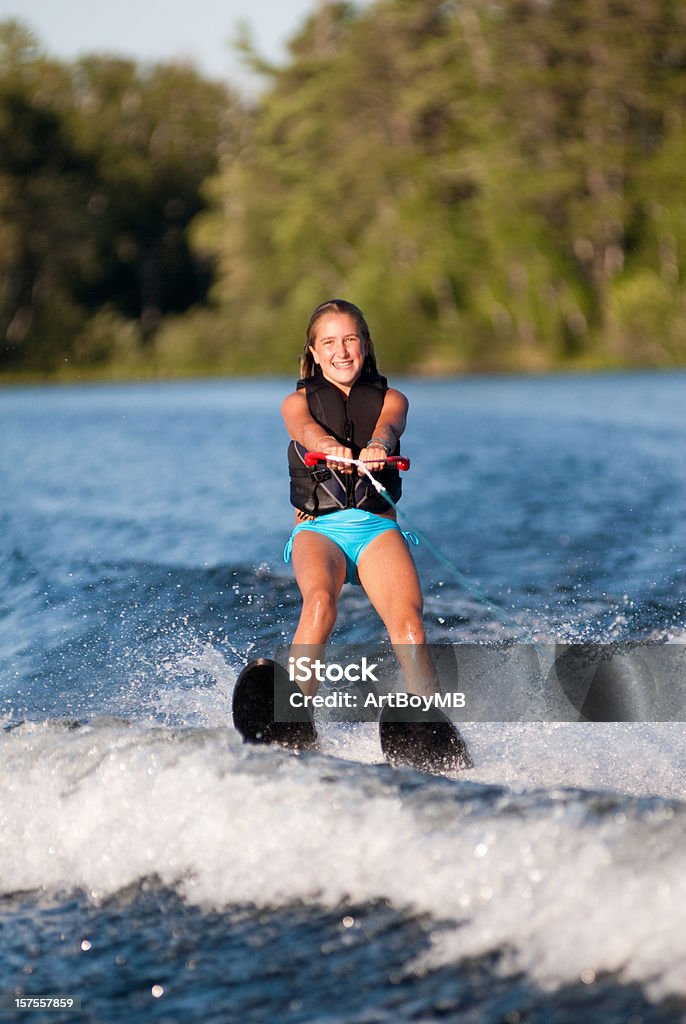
159,870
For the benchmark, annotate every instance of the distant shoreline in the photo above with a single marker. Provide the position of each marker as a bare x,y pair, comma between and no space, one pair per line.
430,371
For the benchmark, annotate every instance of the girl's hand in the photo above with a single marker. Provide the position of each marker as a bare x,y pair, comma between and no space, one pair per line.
374,458
334,451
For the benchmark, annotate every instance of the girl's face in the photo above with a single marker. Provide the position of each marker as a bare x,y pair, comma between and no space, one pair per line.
338,349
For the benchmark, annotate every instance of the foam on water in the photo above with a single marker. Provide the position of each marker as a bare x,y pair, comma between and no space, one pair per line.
564,884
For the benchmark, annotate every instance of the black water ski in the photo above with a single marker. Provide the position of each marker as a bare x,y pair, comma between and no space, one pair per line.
427,741
261,708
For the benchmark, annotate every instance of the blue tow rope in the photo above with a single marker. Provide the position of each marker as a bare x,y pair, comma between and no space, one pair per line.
481,596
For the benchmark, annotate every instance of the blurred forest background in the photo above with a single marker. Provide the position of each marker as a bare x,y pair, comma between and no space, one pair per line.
499,184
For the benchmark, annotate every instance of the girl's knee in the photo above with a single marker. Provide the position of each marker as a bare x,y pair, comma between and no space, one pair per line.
407,628
320,606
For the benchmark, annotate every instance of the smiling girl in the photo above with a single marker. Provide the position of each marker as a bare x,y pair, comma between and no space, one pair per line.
345,531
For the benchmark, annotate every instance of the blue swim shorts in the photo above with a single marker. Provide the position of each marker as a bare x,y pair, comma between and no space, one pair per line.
352,529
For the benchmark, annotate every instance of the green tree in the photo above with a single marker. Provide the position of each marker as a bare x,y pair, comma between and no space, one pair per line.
589,93
154,136
478,175
44,180
499,185
346,183
102,168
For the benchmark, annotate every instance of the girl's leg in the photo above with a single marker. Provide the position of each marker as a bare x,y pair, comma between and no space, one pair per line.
389,576
320,571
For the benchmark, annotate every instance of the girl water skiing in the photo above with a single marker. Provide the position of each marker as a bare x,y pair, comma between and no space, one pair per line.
344,529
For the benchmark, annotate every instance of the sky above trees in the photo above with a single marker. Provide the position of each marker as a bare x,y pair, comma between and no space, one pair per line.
162,30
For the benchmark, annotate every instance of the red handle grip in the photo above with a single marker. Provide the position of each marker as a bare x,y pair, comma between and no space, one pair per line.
396,461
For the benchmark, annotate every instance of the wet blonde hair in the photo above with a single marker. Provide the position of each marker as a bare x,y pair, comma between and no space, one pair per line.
308,367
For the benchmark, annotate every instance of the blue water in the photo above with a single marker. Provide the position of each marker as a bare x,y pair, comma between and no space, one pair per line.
153,866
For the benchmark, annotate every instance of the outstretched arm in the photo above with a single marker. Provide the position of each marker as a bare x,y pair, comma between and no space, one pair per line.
388,430
305,430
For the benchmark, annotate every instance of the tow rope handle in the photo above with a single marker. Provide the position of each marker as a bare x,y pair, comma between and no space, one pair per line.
395,461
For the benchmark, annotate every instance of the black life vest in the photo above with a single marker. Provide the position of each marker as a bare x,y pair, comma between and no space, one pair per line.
351,420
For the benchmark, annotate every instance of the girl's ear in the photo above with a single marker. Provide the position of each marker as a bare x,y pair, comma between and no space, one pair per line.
314,354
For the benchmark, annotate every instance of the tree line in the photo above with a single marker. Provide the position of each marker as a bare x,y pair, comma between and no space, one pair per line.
498,185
